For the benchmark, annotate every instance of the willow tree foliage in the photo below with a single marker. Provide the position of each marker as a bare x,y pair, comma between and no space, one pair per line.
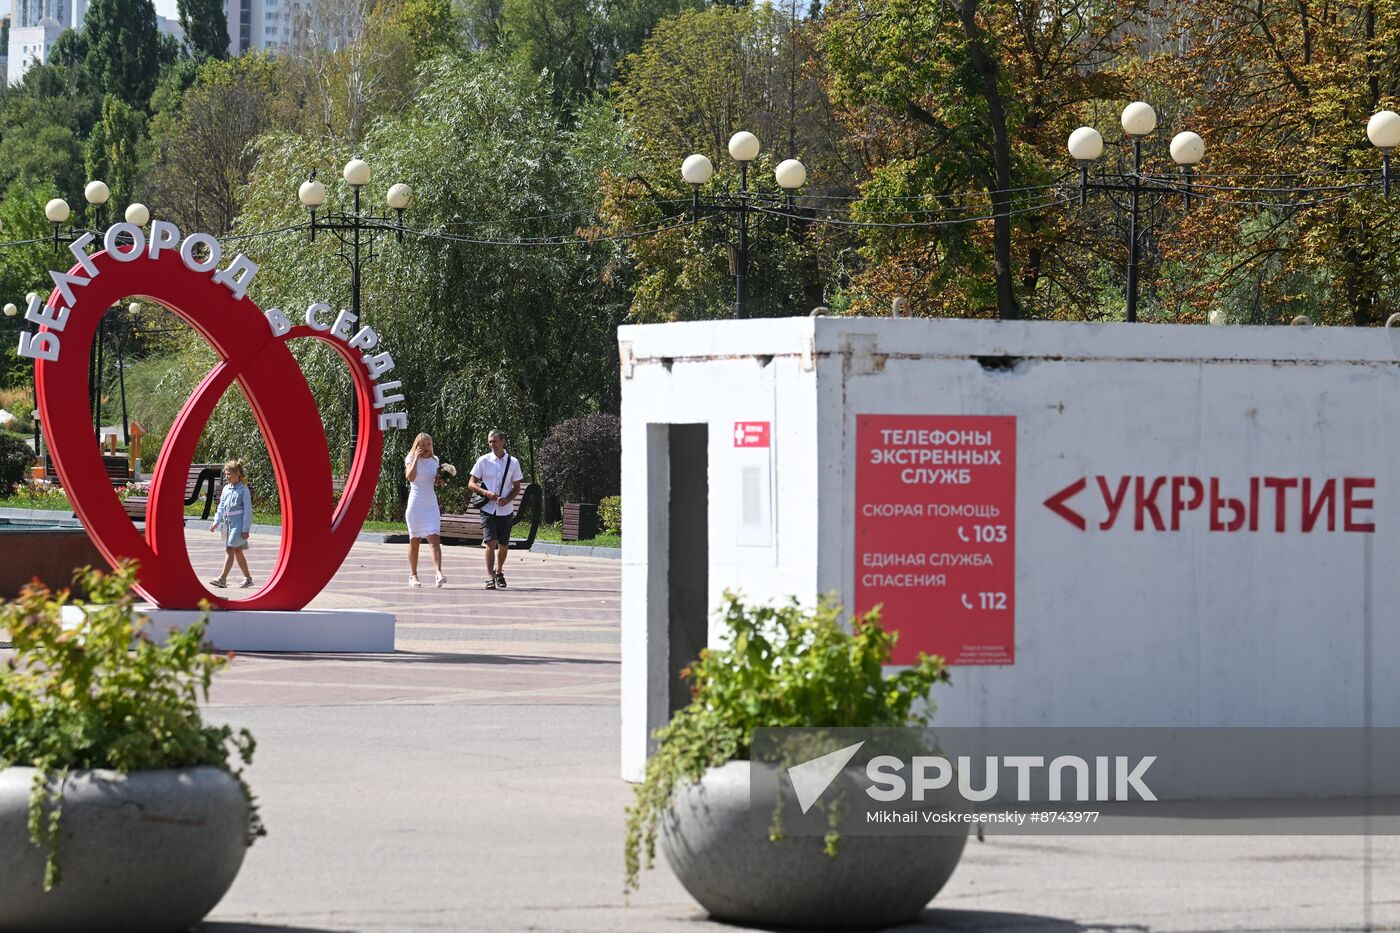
485,334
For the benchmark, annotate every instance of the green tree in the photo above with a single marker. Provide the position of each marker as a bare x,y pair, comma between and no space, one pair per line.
484,334
1282,92
201,148
700,77
39,143
44,119
22,268
353,60
430,25
579,42
959,104
112,151
124,52
205,26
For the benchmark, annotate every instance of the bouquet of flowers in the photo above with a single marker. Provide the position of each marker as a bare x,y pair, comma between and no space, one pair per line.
445,472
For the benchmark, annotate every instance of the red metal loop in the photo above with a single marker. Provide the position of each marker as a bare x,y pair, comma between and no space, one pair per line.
316,534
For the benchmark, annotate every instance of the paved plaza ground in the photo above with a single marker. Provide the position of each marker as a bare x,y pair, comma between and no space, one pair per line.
470,782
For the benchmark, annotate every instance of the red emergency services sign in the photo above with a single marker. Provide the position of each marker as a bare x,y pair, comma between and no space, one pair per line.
935,502
752,433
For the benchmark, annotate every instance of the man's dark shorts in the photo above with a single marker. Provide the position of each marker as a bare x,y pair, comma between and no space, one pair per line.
496,528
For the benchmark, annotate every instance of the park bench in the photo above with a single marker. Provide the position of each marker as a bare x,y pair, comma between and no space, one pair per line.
118,470
208,476
466,527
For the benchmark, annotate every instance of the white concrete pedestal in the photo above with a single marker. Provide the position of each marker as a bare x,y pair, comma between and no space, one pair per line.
336,631
350,631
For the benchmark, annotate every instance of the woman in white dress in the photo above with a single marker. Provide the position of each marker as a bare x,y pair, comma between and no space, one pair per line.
424,517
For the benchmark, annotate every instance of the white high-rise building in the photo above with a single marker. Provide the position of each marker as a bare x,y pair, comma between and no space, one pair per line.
36,24
253,25
260,24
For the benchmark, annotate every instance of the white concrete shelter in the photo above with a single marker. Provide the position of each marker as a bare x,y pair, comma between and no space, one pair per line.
1199,524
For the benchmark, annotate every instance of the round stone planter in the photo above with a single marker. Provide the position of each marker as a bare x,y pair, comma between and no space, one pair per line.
739,875
149,851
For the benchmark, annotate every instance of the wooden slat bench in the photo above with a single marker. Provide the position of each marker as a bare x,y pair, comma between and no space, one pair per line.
201,475
118,470
466,527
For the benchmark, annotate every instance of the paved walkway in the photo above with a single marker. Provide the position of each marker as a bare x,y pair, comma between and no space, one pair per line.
470,782
552,636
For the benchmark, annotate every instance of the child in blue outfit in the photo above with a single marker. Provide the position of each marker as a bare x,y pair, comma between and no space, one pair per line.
236,515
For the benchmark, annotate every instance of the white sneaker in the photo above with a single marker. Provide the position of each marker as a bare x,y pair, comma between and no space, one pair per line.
440,581
413,581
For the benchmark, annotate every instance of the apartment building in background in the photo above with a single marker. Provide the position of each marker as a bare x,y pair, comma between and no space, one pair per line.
36,24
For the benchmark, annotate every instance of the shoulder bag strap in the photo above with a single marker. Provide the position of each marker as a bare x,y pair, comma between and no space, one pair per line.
504,473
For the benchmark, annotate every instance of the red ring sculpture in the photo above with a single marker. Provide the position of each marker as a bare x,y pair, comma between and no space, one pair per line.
317,532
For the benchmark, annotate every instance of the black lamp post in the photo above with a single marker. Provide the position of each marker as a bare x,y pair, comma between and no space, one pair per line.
96,193
356,231
697,170
1187,149
1086,145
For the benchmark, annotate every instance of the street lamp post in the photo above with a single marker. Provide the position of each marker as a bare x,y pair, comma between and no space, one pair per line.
10,311
57,211
1086,146
356,231
1383,130
1187,149
697,170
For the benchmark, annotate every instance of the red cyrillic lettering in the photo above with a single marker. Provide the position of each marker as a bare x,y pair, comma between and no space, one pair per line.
1146,502
1280,486
1179,505
1312,508
1114,501
1235,506
1350,503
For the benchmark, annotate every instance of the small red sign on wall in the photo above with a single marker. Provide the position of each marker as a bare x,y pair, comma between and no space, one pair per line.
935,517
752,433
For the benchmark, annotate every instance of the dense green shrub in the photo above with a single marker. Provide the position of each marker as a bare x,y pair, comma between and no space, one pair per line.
79,697
610,513
15,461
581,459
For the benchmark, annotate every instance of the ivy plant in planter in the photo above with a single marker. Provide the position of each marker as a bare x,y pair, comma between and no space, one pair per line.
119,807
784,667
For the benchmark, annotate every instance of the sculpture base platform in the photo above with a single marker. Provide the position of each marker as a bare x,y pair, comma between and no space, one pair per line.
331,631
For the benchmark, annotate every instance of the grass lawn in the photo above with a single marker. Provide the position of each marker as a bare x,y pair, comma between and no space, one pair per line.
47,504
554,533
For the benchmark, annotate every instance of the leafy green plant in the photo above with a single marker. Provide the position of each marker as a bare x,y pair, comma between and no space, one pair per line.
610,513
784,666
99,693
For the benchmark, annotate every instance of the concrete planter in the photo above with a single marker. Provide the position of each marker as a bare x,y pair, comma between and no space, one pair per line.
738,875
151,851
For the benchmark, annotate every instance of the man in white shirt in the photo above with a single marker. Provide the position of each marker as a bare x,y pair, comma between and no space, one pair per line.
492,476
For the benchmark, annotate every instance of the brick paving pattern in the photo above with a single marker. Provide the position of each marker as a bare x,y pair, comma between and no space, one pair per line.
551,637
